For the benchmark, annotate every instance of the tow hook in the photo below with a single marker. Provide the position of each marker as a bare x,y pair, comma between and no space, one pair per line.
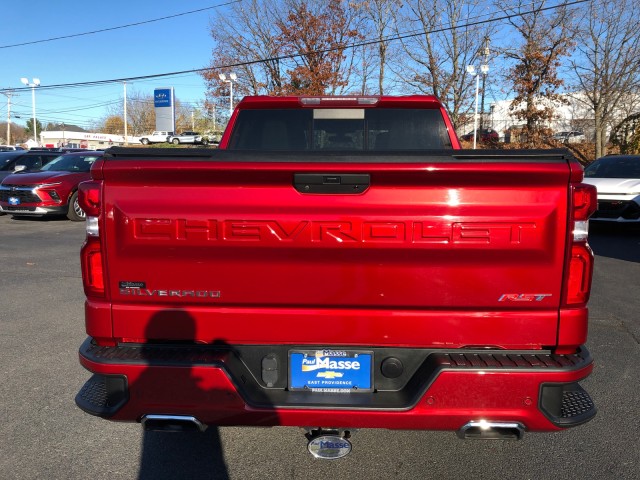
328,444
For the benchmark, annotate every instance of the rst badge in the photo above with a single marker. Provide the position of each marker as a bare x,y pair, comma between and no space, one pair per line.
523,297
336,371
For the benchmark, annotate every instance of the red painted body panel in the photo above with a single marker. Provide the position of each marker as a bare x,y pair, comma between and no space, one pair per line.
454,399
360,327
440,252
437,241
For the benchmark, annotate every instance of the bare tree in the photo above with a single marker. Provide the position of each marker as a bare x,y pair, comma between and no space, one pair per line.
277,47
141,114
546,37
606,68
378,17
435,62
17,133
317,33
245,44
113,124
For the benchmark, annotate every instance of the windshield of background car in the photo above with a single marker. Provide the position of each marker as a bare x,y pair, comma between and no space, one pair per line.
6,160
626,167
374,129
71,163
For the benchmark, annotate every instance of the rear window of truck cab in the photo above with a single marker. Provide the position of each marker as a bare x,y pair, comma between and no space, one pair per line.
339,129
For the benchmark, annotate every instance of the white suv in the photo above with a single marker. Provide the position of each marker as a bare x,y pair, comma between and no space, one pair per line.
189,137
155,137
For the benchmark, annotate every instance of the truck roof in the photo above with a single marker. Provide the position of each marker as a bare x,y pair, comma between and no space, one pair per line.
345,101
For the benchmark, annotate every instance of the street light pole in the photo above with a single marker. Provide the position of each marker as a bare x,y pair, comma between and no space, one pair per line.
232,78
484,69
472,71
484,79
8,93
125,114
35,83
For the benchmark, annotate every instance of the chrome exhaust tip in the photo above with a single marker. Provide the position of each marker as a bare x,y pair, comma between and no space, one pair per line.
486,430
172,423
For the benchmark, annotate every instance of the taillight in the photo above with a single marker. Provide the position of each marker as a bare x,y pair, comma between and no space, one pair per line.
579,272
585,201
89,196
92,270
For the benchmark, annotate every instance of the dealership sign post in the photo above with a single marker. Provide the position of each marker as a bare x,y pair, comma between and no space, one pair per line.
165,106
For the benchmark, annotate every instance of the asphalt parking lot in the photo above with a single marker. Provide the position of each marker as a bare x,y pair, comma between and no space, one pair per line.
44,435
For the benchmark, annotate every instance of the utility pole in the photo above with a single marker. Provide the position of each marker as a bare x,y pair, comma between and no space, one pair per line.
125,113
34,83
8,93
484,78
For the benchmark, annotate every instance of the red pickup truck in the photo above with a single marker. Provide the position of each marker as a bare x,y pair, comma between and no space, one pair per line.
339,263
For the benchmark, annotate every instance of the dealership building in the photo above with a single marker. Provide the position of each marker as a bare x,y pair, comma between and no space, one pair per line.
92,141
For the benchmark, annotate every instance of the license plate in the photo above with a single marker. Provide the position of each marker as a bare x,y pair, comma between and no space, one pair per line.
329,370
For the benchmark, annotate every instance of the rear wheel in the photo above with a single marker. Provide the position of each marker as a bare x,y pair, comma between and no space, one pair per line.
145,141
75,213
175,141
205,141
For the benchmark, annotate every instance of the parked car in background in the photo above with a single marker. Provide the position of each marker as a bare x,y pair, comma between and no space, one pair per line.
53,190
213,138
193,138
617,178
24,160
158,136
484,135
569,137
10,148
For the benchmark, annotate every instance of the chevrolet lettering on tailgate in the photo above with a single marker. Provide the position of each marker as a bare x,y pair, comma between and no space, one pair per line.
410,232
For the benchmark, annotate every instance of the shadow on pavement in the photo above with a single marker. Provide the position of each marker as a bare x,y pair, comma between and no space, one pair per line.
191,455
174,381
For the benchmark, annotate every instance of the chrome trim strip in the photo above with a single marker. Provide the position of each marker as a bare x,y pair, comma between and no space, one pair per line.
36,211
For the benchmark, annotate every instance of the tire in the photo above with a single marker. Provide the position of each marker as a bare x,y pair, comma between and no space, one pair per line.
175,141
205,142
75,213
144,141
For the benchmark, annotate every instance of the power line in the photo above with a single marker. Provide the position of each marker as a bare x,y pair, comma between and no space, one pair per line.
110,29
300,54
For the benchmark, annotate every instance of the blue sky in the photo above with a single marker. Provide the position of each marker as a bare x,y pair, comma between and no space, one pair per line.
175,44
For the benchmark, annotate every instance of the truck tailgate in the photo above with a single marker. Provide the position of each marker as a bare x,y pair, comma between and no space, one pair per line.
422,252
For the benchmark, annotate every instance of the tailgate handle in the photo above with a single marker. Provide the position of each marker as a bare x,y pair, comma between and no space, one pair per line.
343,183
